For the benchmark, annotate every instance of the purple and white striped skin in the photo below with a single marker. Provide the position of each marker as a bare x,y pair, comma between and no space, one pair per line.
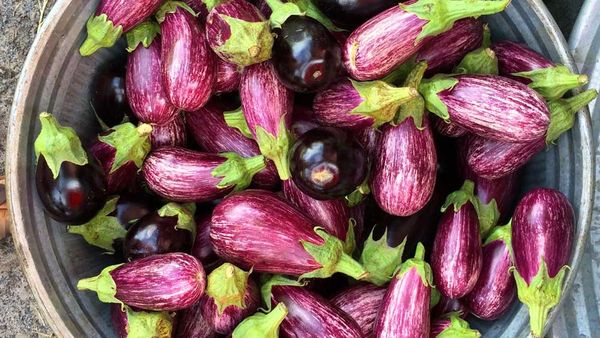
171,134
447,305
147,97
542,236
369,139
503,190
448,128
191,322
227,77
362,303
188,67
151,324
202,248
120,179
515,58
167,282
405,168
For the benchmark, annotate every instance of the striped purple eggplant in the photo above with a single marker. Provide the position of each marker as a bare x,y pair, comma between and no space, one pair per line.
268,107
238,33
359,105
384,42
188,66
168,282
535,70
542,235
252,228
405,308
361,302
126,321
202,248
447,305
227,77
456,256
489,106
112,19
191,322
172,133
448,129
451,325
199,7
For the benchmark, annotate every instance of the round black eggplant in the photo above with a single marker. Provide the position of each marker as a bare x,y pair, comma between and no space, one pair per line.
109,98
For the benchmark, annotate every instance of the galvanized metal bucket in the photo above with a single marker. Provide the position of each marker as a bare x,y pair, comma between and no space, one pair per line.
57,79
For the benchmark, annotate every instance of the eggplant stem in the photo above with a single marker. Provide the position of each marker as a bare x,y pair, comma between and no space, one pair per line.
350,267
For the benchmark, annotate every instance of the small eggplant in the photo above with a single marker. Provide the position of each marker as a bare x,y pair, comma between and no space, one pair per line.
264,325
71,188
227,77
533,69
542,235
350,14
250,228
268,107
361,302
108,95
188,67
127,323
203,249
170,134
112,19
447,305
404,311
191,323
184,175
451,326
168,282
387,40
456,257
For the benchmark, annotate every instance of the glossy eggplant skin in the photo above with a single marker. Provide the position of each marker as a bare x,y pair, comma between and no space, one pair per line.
109,97
172,133
361,302
131,208
306,56
516,58
199,7
75,196
121,179
191,322
202,248
227,77
447,305
127,14
350,14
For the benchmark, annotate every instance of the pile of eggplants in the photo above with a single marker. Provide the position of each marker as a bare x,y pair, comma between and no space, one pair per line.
313,168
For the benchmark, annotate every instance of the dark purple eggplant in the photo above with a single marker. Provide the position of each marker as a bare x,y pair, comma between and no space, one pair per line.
109,98
71,188
185,175
542,235
350,14
404,311
389,39
170,134
250,228
303,120
199,8
238,33
188,67
361,302
456,257
126,321
262,324
227,77
191,323
112,19
447,305
168,282
203,249
452,325
448,129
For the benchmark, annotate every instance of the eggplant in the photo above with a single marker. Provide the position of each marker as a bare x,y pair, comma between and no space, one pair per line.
452,325
267,105
533,69
231,295
448,129
127,322
191,323
167,282
172,133
389,39
113,18
188,67
250,228
456,258
121,152
203,249
542,236
404,311
261,324
238,33
361,302
350,14
227,77
108,96
199,7
71,188
489,106
447,305
185,175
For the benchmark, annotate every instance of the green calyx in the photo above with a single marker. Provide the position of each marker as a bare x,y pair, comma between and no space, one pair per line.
398,75
184,214
330,255
350,242
131,143
461,197
103,229
358,195
263,325
275,280
171,7
501,233
541,295
143,33
103,285
142,324
458,328
236,119
249,43
58,144
442,14
276,148
210,4
380,259
418,263
488,215
436,296
553,82
101,33
380,101
414,108
237,171
226,285
281,11
313,11
430,88
562,113
480,61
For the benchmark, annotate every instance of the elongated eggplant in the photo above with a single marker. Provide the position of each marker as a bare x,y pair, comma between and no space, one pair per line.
250,228
451,325
261,324
108,96
387,40
361,302
170,134
188,67
191,322
168,282
188,176
542,236
448,129
203,249
405,308
71,188
268,106
530,67
447,305
456,257
350,14
112,19
227,77
127,322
